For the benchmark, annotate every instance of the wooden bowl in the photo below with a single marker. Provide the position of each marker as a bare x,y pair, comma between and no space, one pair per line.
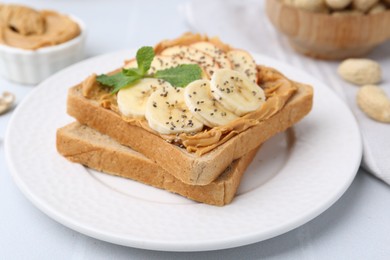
326,36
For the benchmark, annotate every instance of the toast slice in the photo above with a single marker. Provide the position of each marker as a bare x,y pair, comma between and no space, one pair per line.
186,166
81,144
200,158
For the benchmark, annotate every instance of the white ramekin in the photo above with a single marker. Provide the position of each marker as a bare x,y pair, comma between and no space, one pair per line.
33,66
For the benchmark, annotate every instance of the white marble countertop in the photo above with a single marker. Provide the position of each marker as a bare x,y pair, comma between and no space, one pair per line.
357,226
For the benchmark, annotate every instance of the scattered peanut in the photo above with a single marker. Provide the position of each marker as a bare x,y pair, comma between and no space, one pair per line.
309,5
347,7
378,8
364,5
373,101
6,102
338,4
360,71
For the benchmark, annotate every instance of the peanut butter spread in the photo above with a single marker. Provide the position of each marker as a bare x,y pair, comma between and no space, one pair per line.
278,90
26,28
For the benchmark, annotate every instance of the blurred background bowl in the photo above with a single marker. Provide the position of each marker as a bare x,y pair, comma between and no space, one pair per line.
326,36
33,66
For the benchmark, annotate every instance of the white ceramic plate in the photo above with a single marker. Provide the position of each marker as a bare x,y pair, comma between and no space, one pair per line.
289,183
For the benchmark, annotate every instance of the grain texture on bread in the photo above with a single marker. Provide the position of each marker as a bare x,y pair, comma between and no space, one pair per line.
186,166
84,145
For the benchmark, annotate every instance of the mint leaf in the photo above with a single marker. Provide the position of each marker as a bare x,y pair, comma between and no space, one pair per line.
181,75
118,81
132,72
129,82
144,58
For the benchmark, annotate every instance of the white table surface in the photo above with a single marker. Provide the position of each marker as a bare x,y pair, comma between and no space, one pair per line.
357,226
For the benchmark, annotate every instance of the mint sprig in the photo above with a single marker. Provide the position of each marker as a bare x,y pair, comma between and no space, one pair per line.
144,58
179,76
117,81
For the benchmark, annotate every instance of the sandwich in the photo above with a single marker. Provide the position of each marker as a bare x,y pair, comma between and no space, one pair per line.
194,106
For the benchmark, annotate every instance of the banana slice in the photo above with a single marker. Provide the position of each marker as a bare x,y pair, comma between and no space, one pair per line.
162,62
195,55
167,112
132,100
236,92
216,53
243,62
204,106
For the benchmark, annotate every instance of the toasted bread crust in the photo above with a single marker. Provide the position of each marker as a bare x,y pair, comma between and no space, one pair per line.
84,145
186,166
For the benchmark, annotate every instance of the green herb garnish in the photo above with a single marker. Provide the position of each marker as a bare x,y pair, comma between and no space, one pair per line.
179,76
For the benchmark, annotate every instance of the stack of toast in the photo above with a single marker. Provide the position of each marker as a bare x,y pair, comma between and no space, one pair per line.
205,166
